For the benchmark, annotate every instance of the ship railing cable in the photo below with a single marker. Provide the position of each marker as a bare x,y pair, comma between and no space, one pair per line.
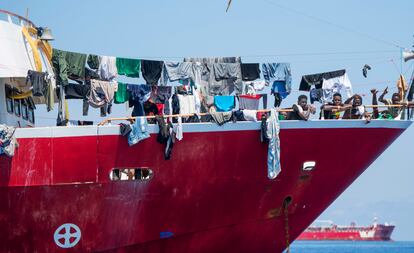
106,121
179,115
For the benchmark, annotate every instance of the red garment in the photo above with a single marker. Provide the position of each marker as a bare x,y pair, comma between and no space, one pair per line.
251,96
160,109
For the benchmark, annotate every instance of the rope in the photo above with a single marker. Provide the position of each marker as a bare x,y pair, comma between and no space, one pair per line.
334,24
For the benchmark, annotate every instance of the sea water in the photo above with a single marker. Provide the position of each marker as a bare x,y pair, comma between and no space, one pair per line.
351,247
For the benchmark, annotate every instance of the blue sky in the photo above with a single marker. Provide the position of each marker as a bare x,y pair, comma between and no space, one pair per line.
314,36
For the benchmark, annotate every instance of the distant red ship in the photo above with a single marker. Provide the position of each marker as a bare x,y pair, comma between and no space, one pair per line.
374,232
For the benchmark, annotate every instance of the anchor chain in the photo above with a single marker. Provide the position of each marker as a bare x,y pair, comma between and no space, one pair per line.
286,203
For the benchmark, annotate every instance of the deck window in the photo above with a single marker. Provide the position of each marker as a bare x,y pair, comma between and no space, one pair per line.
17,107
131,174
30,115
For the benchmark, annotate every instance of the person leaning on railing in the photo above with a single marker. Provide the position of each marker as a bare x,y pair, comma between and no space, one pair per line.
301,110
357,109
396,105
332,110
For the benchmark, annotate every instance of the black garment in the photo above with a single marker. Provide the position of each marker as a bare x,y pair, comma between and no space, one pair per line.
80,91
263,129
317,79
316,95
161,95
264,97
38,81
90,74
151,71
365,70
238,116
175,106
77,91
250,71
93,61
164,130
164,136
124,129
150,108
278,99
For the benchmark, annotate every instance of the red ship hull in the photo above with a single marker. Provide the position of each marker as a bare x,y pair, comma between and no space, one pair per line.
212,196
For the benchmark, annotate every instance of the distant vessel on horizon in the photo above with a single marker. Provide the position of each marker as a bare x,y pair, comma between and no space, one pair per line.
374,232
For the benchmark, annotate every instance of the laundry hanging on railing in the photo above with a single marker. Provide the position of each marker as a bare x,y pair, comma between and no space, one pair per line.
139,131
8,142
273,153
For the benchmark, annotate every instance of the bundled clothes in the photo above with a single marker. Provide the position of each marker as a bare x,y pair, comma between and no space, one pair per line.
8,142
221,117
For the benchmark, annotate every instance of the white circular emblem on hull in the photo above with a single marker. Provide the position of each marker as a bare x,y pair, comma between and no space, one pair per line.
67,235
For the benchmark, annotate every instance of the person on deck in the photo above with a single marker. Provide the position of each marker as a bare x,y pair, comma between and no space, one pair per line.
396,105
332,110
357,109
301,110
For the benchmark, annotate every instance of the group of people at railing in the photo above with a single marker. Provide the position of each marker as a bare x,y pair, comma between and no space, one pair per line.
352,108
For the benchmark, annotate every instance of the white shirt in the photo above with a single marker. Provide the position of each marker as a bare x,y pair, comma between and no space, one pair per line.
334,85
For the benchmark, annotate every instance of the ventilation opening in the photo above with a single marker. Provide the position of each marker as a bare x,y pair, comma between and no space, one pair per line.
131,174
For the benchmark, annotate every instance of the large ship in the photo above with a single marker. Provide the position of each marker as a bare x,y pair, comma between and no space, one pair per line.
374,232
84,189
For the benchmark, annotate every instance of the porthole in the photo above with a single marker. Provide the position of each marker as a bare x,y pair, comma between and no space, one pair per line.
131,174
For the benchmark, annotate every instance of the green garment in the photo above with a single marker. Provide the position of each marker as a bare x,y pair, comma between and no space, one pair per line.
128,67
121,95
93,61
68,65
